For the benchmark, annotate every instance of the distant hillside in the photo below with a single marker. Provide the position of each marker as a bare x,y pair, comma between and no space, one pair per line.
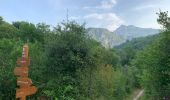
130,32
128,50
138,43
120,35
107,38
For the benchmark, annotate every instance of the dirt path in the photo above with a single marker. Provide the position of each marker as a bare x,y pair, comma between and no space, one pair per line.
138,95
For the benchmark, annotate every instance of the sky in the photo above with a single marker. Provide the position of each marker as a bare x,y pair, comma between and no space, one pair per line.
108,14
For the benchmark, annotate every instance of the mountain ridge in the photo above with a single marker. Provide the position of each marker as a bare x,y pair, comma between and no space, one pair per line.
122,34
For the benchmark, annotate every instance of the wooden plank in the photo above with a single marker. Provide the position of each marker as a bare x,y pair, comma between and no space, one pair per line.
24,82
23,63
23,92
23,98
21,71
25,89
25,52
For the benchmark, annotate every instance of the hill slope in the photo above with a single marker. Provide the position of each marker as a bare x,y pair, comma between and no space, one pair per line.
107,38
128,50
120,35
130,32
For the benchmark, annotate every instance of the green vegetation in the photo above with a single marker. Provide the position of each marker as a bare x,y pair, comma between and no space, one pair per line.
68,65
129,49
65,63
153,64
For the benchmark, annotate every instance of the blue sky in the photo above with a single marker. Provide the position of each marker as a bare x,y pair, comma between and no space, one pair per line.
108,14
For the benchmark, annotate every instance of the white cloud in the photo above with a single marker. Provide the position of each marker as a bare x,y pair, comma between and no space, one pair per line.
75,17
148,21
148,16
144,7
105,20
94,16
109,21
104,4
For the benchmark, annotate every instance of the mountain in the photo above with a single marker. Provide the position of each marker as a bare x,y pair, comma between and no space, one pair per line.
130,32
120,35
107,38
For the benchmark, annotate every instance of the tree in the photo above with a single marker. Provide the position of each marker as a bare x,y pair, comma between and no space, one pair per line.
154,64
66,52
65,63
164,20
7,30
28,31
1,20
9,51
